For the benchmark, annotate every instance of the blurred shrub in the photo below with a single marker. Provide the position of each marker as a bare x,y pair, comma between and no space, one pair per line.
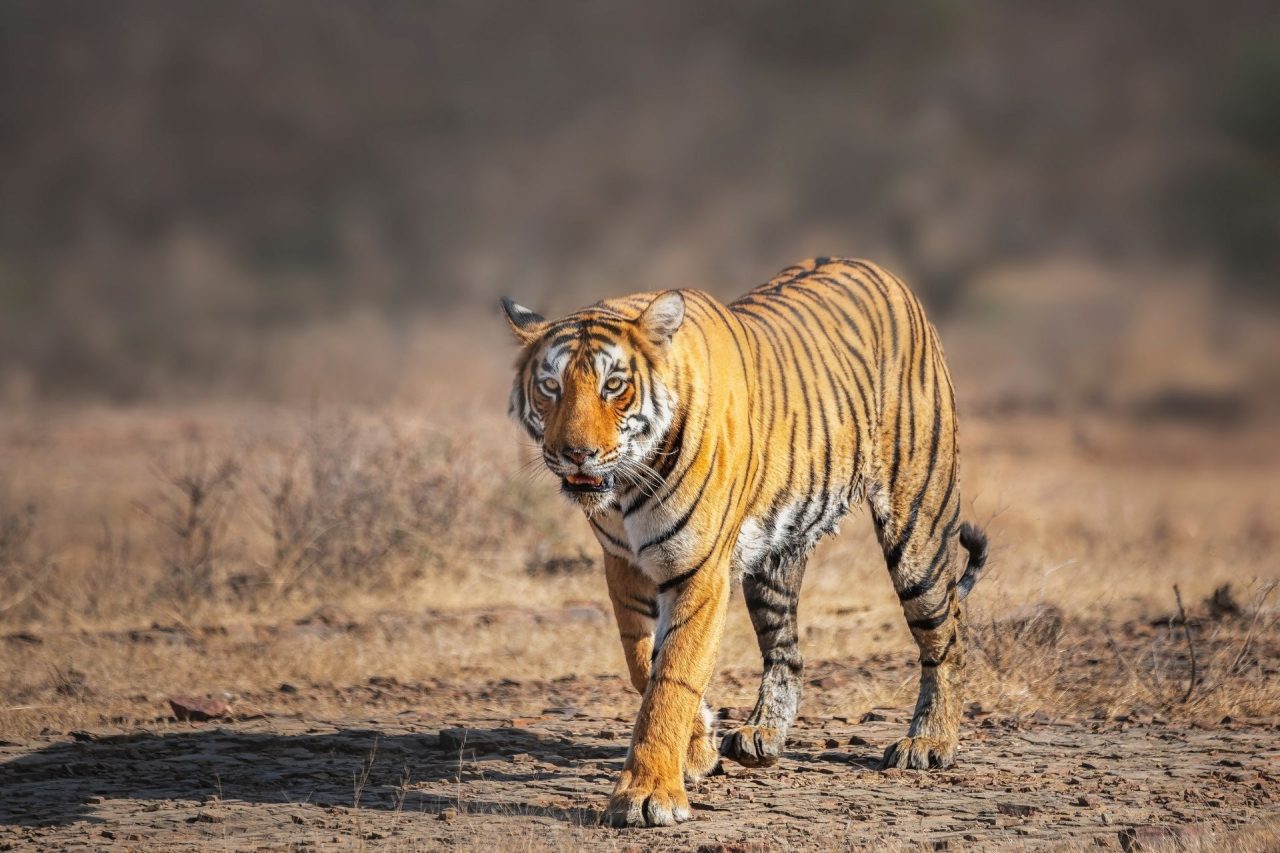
23,566
191,512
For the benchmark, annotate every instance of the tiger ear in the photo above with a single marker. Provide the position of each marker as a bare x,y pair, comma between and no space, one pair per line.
663,317
526,325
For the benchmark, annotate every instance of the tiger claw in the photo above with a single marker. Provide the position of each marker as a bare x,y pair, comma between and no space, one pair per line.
639,803
919,753
753,746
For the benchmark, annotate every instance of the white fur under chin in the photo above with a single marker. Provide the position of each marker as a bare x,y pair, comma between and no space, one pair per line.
592,503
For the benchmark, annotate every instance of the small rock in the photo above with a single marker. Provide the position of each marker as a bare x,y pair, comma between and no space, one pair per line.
565,711
858,740
1148,837
209,816
1016,809
453,740
832,743
872,717
286,687
1088,801
197,710
82,737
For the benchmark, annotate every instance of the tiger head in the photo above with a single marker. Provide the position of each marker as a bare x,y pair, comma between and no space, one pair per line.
593,390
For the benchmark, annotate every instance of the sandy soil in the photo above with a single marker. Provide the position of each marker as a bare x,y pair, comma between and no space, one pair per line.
508,764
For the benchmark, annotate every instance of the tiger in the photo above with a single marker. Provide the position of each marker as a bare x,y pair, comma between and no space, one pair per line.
711,444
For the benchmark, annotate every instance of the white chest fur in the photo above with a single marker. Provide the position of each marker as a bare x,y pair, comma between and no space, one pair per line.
645,539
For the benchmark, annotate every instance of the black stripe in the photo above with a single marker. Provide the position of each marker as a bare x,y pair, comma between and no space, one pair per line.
676,625
768,583
679,579
936,565
641,606
942,658
688,513
678,682
928,624
613,540
770,607
894,555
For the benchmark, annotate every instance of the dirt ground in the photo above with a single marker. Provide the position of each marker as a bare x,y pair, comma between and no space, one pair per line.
527,764
415,649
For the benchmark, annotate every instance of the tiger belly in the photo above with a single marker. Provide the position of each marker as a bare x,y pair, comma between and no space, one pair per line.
788,533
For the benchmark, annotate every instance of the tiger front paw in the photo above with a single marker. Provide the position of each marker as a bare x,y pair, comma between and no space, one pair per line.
754,746
919,753
701,759
645,801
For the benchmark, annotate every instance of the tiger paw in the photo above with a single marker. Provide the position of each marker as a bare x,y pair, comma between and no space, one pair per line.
919,753
754,746
643,801
702,759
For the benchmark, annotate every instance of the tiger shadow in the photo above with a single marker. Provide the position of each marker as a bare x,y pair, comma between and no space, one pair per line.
64,782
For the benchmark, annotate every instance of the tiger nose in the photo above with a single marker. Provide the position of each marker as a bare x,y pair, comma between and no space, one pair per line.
578,455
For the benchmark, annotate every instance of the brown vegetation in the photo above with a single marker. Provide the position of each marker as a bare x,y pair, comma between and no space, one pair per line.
233,528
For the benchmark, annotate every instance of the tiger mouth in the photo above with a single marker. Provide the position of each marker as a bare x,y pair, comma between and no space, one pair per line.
585,483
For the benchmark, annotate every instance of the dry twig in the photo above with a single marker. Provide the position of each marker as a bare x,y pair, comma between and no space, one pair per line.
1191,645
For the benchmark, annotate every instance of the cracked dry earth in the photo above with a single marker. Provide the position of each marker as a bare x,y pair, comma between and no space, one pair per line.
470,778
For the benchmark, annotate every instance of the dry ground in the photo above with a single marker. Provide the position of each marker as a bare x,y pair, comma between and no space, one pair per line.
353,584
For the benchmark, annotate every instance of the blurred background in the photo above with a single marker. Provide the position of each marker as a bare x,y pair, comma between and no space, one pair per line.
253,377
285,199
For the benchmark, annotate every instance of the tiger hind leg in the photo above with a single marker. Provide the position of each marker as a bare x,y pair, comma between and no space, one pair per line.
931,593
772,597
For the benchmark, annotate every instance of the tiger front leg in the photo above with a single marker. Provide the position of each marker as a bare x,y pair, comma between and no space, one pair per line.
635,608
667,738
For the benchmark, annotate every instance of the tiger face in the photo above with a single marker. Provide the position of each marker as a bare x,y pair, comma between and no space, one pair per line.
590,390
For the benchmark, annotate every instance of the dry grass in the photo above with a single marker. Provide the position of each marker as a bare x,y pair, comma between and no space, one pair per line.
236,516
